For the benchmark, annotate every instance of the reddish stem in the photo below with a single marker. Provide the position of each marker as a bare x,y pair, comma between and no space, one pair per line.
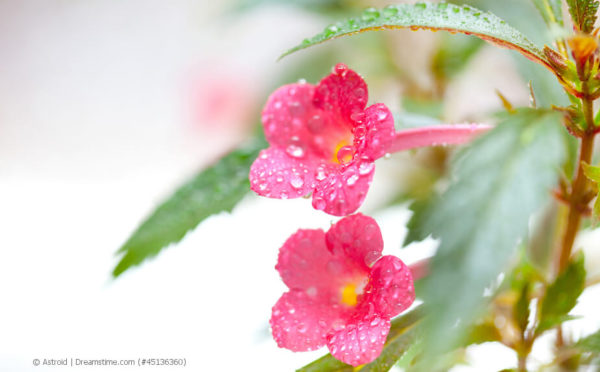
436,135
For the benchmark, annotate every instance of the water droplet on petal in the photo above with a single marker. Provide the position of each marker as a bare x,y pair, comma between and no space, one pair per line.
295,151
315,123
365,168
360,131
358,116
375,322
319,203
284,195
320,176
296,182
382,115
387,155
352,179
301,81
344,154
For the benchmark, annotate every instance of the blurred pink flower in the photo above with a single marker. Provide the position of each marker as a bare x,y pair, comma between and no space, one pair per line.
342,294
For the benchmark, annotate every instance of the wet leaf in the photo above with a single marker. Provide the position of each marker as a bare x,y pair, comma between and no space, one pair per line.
561,296
484,214
215,189
583,13
442,16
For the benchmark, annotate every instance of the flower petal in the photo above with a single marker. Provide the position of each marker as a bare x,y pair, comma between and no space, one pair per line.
299,323
374,137
275,174
286,113
358,237
390,289
344,189
306,264
343,93
359,342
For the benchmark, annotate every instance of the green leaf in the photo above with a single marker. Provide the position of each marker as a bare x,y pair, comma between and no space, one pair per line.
583,13
551,11
521,308
402,333
216,189
442,16
453,55
590,343
561,296
592,172
485,212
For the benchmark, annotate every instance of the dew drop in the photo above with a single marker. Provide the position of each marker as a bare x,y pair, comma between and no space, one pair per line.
365,168
370,14
296,182
301,81
292,310
279,179
344,154
360,131
358,116
442,5
262,186
284,195
330,30
315,123
387,155
277,104
375,322
340,69
382,115
352,180
320,176
319,203
353,24
305,41
421,5
456,10
390,11
295,151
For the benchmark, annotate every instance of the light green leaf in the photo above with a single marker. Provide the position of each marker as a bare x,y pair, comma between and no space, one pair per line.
402,333
442,16
216,189
454,53
590,343
484,214
561,296
592,172
583,13
551,11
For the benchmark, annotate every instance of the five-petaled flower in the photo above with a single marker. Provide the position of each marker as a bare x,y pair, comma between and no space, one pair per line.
342,294
323,140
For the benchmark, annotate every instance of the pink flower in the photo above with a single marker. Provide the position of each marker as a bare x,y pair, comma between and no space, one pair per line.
342,294
324,140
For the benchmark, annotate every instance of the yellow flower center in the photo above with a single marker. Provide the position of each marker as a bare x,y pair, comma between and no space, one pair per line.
349,295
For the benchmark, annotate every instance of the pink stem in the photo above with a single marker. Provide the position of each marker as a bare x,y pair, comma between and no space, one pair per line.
436,135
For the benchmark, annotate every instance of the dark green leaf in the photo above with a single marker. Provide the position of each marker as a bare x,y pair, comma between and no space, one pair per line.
216,189
481,333
442,16
551,11
402,334
583,13
416,226
521,308
590,343
561,296
485,212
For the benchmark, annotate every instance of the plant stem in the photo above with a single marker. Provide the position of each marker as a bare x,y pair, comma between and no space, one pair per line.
522,363
576,200
578,191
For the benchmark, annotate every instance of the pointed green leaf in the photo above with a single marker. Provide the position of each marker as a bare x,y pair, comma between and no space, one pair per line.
216,189
583,13
551,11
402,333
561,296
592,172
590,343
442,16
485,213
